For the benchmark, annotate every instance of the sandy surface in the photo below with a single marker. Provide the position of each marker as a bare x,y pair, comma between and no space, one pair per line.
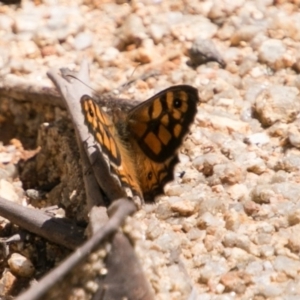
228,229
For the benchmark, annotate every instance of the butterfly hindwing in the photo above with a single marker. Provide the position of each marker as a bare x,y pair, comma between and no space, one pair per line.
162,173
160,123
156,129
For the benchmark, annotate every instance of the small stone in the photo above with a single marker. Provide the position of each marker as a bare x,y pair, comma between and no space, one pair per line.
177,274
238,191
256,166
164,211
203,51
207,220
254,268
262,238
232,220
144,55
196,234
45,37
131,32
48,50
221,123
153,230
212,243
230,173
108,57
192,26
206,162
289,163
7,282
27,23
83,40
20,265
236,281
184,207
157,31
6,23
7,191
260,138
294,244
294,217
244,34
267,251
6,157
237,255
272,53
251,208
262,194
294,137
277,103
58,17
174,189
289,190
271,291
34,194
4,174
287,265
168,241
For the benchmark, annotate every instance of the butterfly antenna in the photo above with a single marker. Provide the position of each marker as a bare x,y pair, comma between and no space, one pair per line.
143,77
125,85
67,73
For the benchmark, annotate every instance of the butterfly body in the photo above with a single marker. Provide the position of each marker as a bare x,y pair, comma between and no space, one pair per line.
142,144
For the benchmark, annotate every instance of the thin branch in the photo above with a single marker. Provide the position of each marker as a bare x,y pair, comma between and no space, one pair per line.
56,230
122,208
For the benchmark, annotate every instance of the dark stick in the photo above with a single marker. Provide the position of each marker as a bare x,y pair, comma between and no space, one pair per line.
56,230
122,208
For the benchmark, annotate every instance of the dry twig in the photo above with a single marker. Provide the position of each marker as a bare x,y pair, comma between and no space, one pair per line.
56,230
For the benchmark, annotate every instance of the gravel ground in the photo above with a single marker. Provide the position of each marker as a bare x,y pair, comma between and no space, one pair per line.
228,228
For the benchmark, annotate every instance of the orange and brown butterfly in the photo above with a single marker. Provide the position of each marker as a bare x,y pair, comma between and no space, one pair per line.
142,145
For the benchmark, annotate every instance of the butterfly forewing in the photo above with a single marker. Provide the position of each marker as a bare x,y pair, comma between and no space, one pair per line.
102,128
160,124
107,140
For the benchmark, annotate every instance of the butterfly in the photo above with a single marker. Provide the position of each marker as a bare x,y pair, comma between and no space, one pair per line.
141,146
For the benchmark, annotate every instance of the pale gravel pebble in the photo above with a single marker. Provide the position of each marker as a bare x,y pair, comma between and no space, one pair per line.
6,157
44,37
289,190
294,137
286,265
131,31
238,191
289,163
20,265
8,191
260,138
6,23
4,174
277,103
203,51
28,22
82,40
229,173
183,207
157,31
244,34
191,26
272,53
